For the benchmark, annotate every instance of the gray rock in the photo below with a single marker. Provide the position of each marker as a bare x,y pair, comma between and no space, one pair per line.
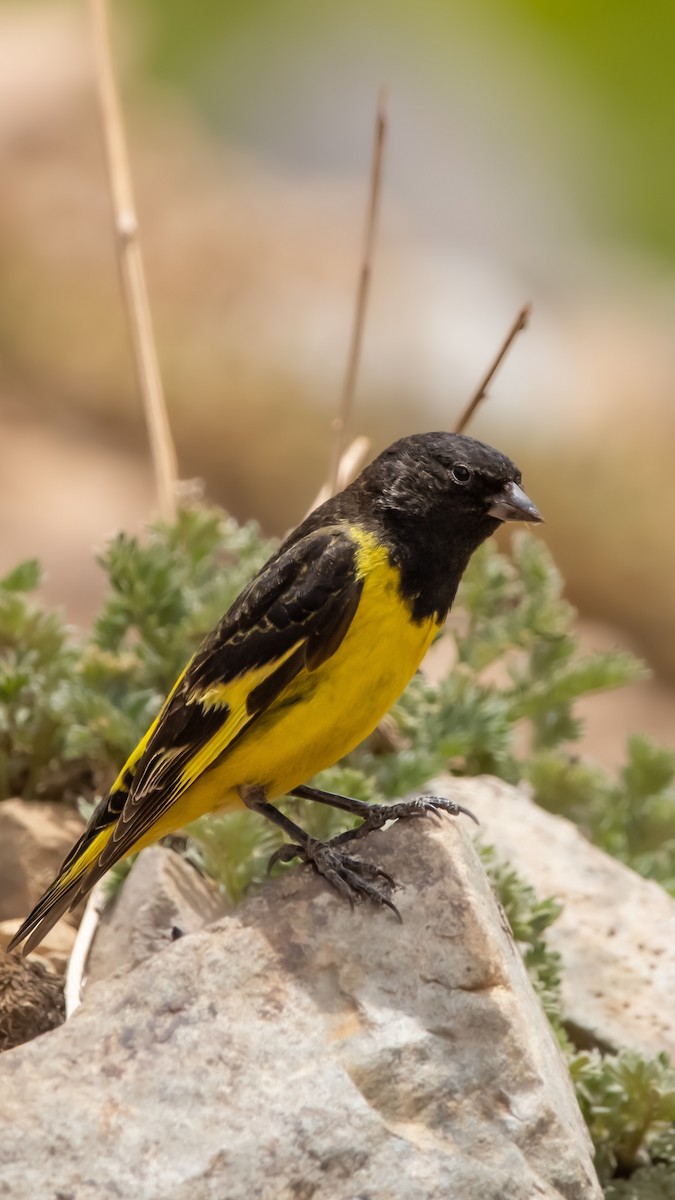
298,1049
162,897
616,933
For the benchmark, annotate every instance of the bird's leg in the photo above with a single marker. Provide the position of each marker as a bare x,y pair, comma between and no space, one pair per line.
352,878
376,815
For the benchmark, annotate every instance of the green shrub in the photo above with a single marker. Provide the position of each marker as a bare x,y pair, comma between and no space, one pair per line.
627,1100
66,702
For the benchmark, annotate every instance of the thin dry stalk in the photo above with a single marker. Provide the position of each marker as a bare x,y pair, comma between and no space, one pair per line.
341,421
131,267
77,963
519,324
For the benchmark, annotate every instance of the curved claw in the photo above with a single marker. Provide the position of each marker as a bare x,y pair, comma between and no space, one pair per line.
384,875
351,877
285,853
368,871
360,878
466,812
441,804
390,905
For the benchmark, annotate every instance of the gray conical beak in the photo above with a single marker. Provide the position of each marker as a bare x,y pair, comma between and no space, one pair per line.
511,504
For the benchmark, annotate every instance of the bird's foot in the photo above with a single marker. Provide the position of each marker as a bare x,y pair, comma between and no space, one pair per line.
426,806
352,878
419,806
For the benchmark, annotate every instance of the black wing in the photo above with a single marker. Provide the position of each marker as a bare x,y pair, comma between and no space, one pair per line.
293,615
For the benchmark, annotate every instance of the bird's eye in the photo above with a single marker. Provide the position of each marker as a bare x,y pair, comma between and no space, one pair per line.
461,474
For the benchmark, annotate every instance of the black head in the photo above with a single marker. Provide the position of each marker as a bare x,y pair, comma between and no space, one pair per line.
449,479
435,497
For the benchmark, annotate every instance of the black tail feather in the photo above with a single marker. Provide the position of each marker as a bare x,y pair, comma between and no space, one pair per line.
48,910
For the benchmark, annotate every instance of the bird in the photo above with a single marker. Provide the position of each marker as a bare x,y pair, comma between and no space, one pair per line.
303,666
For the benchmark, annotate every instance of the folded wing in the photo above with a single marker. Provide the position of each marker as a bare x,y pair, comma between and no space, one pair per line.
292,617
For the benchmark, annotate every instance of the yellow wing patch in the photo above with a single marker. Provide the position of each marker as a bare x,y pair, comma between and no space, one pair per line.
122,779
232,696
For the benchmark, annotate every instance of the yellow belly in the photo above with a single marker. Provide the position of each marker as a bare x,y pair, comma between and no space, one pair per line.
325,713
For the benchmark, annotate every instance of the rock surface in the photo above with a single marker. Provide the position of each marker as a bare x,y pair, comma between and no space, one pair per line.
34,839
163,898
616,933
298,1049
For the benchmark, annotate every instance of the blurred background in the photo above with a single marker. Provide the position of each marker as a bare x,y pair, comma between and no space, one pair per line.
529,158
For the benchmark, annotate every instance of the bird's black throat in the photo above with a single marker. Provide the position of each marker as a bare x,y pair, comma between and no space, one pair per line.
431,556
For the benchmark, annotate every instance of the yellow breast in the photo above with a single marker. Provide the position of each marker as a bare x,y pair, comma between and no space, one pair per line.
325,713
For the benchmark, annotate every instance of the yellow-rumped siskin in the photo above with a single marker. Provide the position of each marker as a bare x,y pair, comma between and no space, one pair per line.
305,663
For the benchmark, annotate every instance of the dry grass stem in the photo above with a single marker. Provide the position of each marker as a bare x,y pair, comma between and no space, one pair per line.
77,963
348,468
481,391
131,267
341,421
